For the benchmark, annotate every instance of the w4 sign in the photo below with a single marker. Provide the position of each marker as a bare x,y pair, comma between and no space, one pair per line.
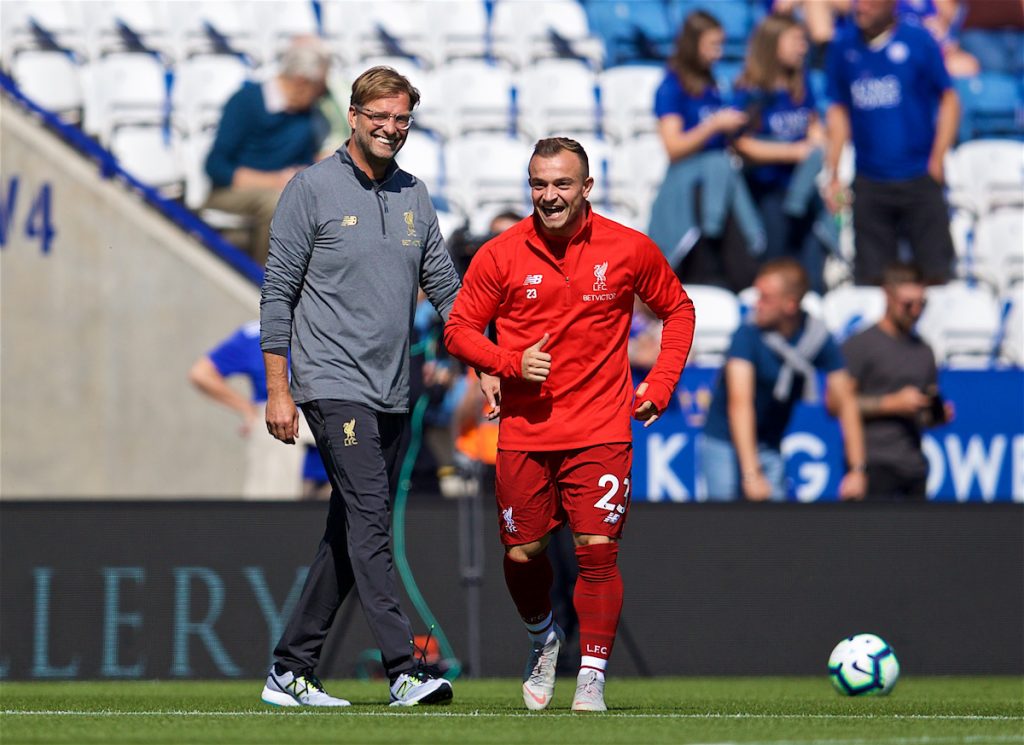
37,225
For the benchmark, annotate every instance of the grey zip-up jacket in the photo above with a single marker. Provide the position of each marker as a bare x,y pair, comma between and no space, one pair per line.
346,257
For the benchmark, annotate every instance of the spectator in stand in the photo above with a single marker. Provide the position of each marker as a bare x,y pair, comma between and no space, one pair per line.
772,364
822,17
703,218
272,471
943,19
897,389
267,133
891,93
783,143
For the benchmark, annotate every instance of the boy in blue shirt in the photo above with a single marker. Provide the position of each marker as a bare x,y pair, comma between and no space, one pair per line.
892,94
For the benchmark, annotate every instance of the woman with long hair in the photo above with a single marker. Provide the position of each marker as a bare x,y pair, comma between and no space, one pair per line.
783,132
695,126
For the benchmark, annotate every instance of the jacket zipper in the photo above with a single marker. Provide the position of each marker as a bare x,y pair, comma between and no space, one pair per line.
382,203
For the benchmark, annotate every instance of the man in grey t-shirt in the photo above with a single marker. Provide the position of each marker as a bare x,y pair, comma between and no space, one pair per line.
897,390
352,240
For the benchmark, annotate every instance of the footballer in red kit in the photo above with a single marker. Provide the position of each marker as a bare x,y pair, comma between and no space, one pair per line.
559,288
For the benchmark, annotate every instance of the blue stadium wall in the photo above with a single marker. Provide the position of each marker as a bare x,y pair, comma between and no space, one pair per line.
201,589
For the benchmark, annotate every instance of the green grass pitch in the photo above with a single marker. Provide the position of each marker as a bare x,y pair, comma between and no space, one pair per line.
921,711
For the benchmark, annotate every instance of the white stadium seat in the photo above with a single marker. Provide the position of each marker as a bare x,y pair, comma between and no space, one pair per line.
960,323
998,247
849,309
718,316
493,169
202,85
423,156
522,30
466,96
150,154
1012,348
127,89
627,99
987,174
557,97
50,79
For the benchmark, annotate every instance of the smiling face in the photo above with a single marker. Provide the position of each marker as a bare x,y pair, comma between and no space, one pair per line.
559,190
376,145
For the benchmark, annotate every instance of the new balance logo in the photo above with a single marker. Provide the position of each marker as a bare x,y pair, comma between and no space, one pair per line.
612,518
510,523
350,432
533,279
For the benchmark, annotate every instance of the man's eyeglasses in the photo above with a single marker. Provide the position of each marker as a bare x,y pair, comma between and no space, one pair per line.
379,118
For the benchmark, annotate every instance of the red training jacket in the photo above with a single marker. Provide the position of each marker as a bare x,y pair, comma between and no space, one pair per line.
586,304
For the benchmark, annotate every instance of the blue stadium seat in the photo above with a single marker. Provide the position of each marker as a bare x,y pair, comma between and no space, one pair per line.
992,106
631,29
997,50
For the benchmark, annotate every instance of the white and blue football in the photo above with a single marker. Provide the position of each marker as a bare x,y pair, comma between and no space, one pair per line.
863,665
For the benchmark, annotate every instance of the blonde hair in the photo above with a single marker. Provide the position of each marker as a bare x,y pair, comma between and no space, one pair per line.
382,82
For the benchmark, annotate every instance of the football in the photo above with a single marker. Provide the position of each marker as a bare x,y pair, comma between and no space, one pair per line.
863,665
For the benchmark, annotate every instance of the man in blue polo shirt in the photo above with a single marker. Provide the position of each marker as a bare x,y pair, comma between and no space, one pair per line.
771,365
890,90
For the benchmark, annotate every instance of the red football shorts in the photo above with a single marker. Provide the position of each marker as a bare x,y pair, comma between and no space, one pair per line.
541,490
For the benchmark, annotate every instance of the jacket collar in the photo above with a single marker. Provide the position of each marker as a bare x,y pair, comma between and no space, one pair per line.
364,180
536,239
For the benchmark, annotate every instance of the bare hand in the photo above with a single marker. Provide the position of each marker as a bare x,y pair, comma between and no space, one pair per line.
537,364
248,421
490,386
853,487
728,120
756,488
836,196
937,170
646,411
908,401
282,417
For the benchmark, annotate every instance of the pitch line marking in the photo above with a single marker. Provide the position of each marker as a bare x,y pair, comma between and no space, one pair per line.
342,711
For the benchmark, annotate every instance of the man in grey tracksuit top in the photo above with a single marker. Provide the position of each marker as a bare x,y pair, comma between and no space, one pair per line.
352,239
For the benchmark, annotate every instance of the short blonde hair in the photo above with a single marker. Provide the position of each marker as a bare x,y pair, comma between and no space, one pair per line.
382,82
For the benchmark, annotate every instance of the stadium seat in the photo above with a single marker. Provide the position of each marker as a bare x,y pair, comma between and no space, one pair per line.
1012,347
423,156
150,154
458,29
345,26
126,89
992,106
850,309
217,27
719,314
396,28
636,170
627,99
998,255
467,96
280,21
202,85
998,50
194,150
631,29
609,198
960,323
41,25
557,97
523,31
50,79
986,174
493,169
126,26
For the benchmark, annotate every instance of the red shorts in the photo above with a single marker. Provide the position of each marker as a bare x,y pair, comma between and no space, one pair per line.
539,491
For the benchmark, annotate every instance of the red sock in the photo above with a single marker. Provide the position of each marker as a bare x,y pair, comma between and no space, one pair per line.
598,601
529,584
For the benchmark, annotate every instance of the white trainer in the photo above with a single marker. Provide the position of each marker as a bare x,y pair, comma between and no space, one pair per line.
420,687
589,692
539,678
304,689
